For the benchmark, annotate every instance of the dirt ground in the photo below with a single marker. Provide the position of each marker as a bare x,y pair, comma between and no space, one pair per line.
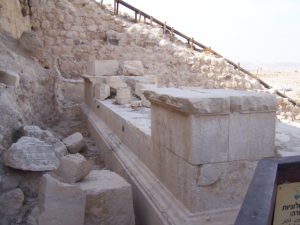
287,82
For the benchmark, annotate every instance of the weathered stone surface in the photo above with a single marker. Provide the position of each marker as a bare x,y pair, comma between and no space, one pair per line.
188,101
123,95
75,142
132,68
59,147
73,168
30,41
31,154
44,135
10,78
187,123
139,91
108,199
115,82
60,203
103,67
32,131
11,201
12,20
101,91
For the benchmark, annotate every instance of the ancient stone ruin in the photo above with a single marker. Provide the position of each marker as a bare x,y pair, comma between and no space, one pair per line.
108,119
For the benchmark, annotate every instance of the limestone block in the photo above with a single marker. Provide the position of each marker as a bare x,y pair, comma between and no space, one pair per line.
103,67
34,131
75,142
209,139
132,68
101,91
123,95
251,136
115,82
187,123
108,199
31,154
10,78
73,168
190,101
11,201
60,203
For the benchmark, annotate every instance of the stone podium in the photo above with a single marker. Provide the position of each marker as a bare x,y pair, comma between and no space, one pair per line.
207,142
191,158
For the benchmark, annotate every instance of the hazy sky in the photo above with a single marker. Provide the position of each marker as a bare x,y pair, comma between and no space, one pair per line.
241,30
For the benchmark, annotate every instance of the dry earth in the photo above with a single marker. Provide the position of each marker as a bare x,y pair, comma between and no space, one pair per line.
287,82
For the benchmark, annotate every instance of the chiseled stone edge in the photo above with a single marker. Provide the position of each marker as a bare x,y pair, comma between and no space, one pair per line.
188,102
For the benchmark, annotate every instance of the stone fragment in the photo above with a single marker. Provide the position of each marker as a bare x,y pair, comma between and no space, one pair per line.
31,154
123,95
73,168
108,199
115,82
60,203
102,67
101,91
10,78
75,142
11,201
44,135
132,68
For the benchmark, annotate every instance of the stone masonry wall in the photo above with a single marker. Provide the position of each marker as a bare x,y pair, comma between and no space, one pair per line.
75,32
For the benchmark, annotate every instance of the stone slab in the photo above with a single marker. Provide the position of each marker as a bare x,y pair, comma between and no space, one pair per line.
103,67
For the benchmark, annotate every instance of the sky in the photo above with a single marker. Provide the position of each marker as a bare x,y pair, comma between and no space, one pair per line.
241,30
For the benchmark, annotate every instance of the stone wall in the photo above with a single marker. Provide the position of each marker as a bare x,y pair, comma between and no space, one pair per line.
14,17
79,31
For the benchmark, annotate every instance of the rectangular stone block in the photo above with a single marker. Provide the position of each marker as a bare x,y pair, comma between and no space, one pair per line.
209,126
101,91
251,135
60,203
209,140
123,95
108,199
103,67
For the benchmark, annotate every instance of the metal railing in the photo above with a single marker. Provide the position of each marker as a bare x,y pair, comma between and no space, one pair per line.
192,43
